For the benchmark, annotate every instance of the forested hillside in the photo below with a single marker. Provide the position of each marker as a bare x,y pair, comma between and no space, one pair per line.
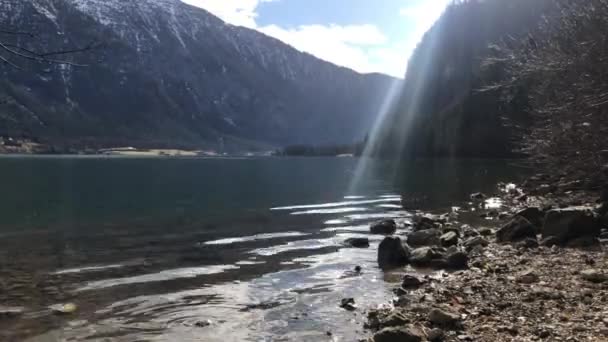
509,78
441,111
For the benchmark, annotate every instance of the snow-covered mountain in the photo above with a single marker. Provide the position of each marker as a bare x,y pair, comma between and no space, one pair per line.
167,73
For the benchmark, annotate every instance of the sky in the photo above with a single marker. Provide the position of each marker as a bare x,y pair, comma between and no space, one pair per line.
363,35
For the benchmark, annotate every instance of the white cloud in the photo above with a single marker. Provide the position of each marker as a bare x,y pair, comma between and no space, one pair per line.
347,46
363,48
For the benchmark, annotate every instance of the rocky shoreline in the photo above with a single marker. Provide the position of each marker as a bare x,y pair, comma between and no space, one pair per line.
528,264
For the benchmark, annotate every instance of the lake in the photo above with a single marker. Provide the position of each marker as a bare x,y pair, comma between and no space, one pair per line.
232,249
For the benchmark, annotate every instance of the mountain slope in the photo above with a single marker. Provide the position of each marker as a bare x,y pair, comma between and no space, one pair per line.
441,110
169,74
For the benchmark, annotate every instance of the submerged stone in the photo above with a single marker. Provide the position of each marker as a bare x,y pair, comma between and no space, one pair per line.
386,227
357,242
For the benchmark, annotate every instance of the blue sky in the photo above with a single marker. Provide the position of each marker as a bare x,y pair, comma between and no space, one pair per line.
364,35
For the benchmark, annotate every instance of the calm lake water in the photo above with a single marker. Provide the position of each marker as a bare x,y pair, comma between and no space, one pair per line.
206,249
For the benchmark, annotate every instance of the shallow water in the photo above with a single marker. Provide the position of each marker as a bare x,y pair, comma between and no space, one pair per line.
205,249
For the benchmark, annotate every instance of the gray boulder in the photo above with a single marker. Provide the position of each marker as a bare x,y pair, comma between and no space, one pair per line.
549,241
392,253
403,334
570,223
594,276
474,242
528,243
386,227
534,215
444,318
423,222
410,281
449,239
424,237
457,260
436,335
426,256
518,229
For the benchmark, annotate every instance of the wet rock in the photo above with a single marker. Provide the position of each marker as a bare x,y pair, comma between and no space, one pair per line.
348,304
478,196
11,311
534,215
468,231
400,291
423,222
486,232
589,260
261,306
392,253
402,301
63,309
386,227
449,239
410,281
518,229
528,243
436,335
457,260
444,319
395,319
403,334
549,241
424,237
425,256
202,324
583,241
357,242
570,223
544,333
594,276
546,293
528,277
474,242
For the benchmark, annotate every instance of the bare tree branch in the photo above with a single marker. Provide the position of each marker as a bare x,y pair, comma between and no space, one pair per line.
40,57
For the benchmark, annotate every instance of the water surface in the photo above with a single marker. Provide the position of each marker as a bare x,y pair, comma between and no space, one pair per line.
206,249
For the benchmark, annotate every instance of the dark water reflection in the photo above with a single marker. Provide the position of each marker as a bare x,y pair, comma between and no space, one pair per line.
205,249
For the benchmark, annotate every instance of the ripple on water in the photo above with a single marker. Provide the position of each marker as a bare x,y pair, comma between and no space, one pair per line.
177,273
88,269
254,238
335,221
337,204
359,228
389,206
330,211
296,245
375,216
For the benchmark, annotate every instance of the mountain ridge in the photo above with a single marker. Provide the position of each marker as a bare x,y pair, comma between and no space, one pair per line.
173,74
